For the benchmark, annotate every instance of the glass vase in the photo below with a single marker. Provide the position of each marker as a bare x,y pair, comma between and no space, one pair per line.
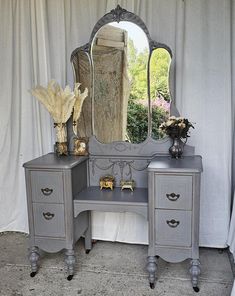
61,145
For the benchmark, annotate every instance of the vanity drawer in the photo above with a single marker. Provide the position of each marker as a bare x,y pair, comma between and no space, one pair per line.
173,228
49,220
47,187
173,192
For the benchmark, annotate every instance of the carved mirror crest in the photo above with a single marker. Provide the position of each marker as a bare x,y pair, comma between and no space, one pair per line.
127,74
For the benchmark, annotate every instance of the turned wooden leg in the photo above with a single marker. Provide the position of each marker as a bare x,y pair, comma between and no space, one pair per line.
152,268
33,258
70,263
88,241
195,272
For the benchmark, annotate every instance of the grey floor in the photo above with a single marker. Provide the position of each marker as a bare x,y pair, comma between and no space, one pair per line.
113,269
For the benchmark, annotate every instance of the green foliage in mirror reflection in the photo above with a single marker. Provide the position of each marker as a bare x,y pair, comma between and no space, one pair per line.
159,74
137,71
137,115
137,121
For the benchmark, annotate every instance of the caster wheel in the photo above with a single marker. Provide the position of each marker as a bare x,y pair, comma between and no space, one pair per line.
196,289
87,251
32,274
151,285
70,277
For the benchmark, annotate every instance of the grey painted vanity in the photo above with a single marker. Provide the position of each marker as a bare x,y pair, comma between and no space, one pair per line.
61,191
51,183
173,208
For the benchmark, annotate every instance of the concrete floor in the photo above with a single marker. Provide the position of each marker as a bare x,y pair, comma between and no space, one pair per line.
112,269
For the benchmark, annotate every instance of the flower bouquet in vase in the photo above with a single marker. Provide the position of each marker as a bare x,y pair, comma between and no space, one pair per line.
177,128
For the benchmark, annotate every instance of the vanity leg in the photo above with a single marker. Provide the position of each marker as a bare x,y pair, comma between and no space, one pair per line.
88,241
195,272
70,263
33,258
152,268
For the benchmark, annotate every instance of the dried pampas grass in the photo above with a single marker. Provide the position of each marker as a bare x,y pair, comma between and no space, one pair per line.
60,103
79,99
57,101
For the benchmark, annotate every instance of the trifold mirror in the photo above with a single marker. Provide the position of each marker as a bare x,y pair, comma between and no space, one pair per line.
127,75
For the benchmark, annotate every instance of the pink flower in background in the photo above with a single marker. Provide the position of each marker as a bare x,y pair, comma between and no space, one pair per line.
158,102
161,103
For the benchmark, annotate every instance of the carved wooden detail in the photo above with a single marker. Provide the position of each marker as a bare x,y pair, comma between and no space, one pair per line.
148,148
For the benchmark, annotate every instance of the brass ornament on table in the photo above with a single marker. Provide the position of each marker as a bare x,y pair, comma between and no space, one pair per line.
61,148
127,184
107,182
80,146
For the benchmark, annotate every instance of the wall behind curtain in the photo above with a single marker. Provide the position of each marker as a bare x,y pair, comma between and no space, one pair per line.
36,40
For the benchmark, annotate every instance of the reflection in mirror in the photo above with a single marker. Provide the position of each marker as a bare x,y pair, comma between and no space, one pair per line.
120,55
159,89
82,74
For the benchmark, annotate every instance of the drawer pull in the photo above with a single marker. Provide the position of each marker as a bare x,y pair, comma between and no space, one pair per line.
173,223
172,196
46,191
48,215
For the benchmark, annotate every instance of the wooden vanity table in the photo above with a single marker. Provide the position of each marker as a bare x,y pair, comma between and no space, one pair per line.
61,195
173,208
62,191
51,183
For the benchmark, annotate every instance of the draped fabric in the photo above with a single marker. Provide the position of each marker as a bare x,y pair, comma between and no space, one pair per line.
36,40
231,235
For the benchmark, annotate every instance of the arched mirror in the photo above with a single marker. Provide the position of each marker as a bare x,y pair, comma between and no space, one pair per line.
120,54
127,74
160,96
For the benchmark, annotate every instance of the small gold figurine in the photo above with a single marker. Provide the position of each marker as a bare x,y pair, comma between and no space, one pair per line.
127,184
80,146
61,148
107,182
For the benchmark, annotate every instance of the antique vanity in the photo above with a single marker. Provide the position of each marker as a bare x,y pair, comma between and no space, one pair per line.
61,191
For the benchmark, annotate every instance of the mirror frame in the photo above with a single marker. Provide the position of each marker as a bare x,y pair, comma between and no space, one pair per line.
116,15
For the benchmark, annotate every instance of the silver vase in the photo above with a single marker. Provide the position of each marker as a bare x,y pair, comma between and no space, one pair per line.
176,150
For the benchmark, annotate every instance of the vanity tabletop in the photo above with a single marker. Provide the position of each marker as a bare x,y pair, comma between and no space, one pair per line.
186,164
52,161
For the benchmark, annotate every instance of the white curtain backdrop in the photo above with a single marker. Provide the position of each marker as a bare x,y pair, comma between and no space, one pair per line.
231,235
36,40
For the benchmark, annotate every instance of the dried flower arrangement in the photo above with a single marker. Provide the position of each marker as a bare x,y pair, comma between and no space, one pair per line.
60,103
176,127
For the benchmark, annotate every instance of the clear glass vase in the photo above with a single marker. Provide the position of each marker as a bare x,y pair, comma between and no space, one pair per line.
61,145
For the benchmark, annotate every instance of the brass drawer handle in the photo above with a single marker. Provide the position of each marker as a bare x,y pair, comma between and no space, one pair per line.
47,191
48,215
173,223
172,196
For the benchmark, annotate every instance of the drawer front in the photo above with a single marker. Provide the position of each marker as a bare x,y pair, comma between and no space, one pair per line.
47,187
173,192
49,220
173,228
